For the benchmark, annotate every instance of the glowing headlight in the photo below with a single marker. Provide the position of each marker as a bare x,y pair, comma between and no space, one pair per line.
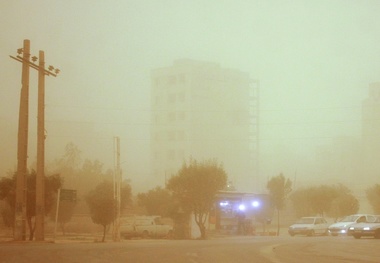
241,207
255,203
366,228
352,228
224,203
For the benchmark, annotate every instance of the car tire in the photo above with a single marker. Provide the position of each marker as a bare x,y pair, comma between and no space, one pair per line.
311,233
334,234
170,234
356,236
291,234
377,234
145,234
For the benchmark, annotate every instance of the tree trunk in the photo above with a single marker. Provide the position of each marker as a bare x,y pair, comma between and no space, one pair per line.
31,228
202,228
199,219
63,228
278,222
104,232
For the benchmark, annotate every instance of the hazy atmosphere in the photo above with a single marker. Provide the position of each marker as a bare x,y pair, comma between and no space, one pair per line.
315,61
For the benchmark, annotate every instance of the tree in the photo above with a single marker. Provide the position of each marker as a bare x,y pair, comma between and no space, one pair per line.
80,174
102,203
373,197
157,201
8,189
321,197
72,157
7,194
344,204
66,211
279,188
8,215
334,200
68,165
195,187
301,204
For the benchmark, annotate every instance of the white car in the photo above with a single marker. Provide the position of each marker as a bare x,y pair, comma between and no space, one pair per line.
144,226
366,229
309,226
341,227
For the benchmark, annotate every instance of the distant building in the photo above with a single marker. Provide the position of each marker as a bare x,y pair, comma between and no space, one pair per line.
370,144
203,111
371,123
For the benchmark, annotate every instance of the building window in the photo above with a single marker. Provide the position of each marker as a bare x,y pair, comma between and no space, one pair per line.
157,82
181,154
172,80
156,119
170,154
172,98
156,155
171,116
171,135
158,100
181,97
181,115
182,79
180,135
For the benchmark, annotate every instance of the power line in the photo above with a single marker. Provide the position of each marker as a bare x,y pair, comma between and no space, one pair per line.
215,124
282,109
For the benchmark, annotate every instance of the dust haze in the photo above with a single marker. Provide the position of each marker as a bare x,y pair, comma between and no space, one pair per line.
315,60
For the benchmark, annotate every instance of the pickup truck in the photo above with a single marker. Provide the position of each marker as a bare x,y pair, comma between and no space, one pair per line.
144,226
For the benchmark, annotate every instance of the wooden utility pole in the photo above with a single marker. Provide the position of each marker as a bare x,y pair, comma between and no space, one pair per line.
22,148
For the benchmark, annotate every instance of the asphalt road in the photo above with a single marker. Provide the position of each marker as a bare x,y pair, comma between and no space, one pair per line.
245,249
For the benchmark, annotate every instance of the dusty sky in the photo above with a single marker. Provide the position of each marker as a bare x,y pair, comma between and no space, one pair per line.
314,60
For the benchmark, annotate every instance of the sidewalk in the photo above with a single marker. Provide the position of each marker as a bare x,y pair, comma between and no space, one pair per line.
269,232
94,238
77,238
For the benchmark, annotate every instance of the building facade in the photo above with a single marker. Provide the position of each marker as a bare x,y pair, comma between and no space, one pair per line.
371,122
203,111
371,137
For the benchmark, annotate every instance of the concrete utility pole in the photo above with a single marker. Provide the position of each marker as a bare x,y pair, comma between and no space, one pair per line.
22,149
117,190
40,179
20,226
255,134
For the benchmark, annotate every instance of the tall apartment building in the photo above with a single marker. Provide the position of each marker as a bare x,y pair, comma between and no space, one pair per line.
371,125
203,111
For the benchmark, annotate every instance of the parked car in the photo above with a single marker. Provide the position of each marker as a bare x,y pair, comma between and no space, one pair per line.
342,227
366,229
144,226
309,226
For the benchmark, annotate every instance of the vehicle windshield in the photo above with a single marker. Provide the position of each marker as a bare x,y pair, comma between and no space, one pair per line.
377,220
306,220
351,218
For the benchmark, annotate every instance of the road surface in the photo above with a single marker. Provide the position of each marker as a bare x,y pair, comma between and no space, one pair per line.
243,249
